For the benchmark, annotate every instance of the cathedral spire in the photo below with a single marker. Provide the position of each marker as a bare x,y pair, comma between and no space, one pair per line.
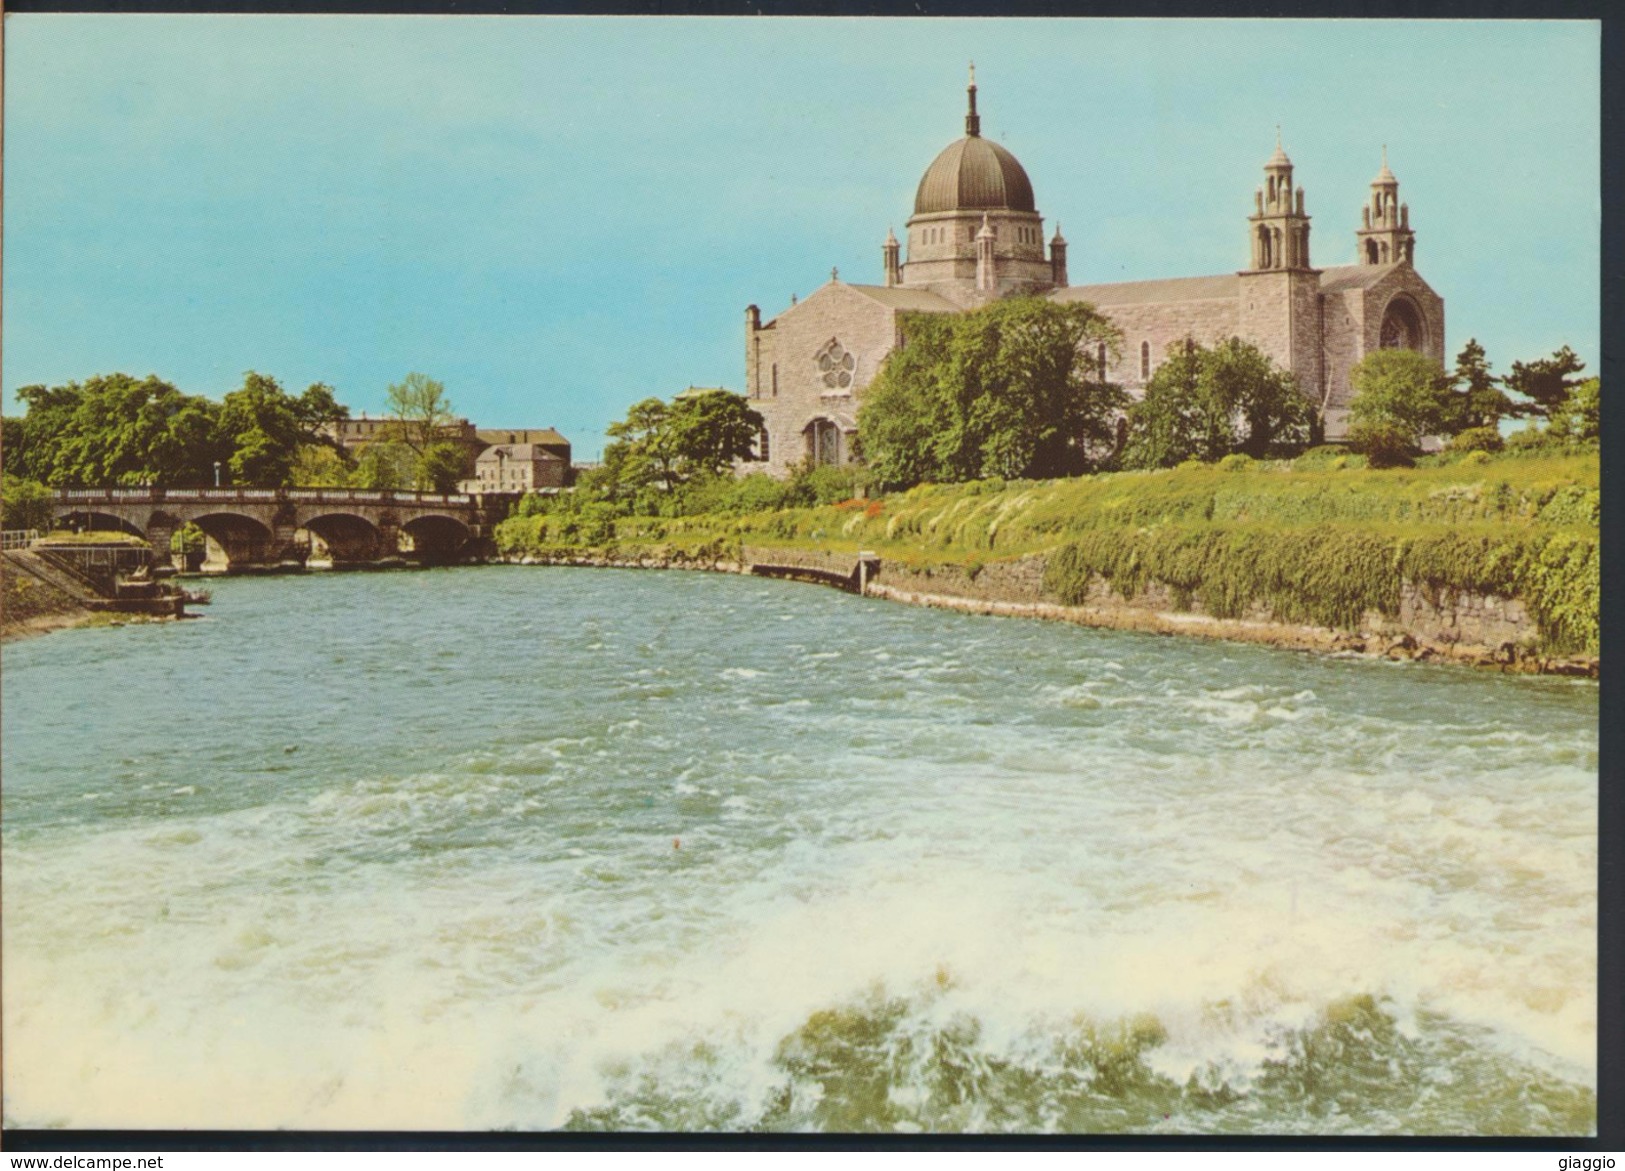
973,121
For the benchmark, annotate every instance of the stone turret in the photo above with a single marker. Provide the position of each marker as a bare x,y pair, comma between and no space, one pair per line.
1279,228
1057,258
1385,235
889,252
987,273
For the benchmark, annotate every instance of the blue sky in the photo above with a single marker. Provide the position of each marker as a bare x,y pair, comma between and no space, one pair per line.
557,217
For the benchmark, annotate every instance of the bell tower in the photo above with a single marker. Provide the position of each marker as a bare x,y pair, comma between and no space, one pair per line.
1385,235
1279,228
1280,290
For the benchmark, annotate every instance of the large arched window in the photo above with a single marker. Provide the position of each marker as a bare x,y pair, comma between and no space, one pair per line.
1402,326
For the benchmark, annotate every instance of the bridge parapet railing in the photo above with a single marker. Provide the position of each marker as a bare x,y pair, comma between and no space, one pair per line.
361,495
18,538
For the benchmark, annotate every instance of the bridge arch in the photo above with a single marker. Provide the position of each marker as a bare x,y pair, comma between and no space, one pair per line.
343,538
434,538
235,541
90,518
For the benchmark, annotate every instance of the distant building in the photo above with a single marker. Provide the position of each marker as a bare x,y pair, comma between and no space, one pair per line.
544,437
352,434
520,467
502,459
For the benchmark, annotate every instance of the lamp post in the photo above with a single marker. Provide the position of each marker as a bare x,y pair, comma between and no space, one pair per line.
217,473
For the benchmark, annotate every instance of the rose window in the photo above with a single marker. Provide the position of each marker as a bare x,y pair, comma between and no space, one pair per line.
837,365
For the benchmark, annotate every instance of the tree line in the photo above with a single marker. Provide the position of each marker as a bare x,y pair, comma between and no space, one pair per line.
116,429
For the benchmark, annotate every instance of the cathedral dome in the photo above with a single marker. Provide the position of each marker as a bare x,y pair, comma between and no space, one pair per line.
974,174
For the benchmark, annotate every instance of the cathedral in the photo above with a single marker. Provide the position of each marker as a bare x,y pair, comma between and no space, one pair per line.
976,235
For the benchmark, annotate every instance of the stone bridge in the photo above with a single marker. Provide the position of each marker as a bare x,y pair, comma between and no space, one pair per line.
290,528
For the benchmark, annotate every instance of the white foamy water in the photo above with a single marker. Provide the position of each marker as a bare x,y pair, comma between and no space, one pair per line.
541,847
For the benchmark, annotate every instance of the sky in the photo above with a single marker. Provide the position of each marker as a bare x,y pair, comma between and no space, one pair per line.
559,216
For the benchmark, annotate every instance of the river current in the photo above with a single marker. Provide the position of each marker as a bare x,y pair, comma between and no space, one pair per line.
533,848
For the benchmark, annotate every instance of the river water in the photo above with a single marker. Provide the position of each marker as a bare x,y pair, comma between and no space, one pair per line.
503,847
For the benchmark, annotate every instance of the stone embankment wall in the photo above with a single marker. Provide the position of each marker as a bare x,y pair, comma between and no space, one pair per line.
1483,629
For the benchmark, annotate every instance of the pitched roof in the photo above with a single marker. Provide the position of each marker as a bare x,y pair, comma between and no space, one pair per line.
1225,286
520,452
546,435
916,300
1352,276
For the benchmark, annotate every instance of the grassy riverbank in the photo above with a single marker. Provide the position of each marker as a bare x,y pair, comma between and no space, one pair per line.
1314,540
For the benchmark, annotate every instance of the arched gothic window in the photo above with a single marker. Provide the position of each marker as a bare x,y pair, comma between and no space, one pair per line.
1145,361
765,450
823,442
837,365
1371,252
1100,359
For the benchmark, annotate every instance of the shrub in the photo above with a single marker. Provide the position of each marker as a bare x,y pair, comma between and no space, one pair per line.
1535,438
1235,462
1319,457
1384,445
1478,439
824,484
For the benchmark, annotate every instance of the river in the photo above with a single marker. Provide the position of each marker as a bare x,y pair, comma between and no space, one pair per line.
503,847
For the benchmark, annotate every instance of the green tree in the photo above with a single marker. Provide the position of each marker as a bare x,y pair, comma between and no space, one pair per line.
33,442
1543,385
708,432
419,412
1173,421
1207,403
1579,415
385,465
116,429
321,465
640,455
440,466
1476,399
267,428
26,504
1400,394
1008,390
